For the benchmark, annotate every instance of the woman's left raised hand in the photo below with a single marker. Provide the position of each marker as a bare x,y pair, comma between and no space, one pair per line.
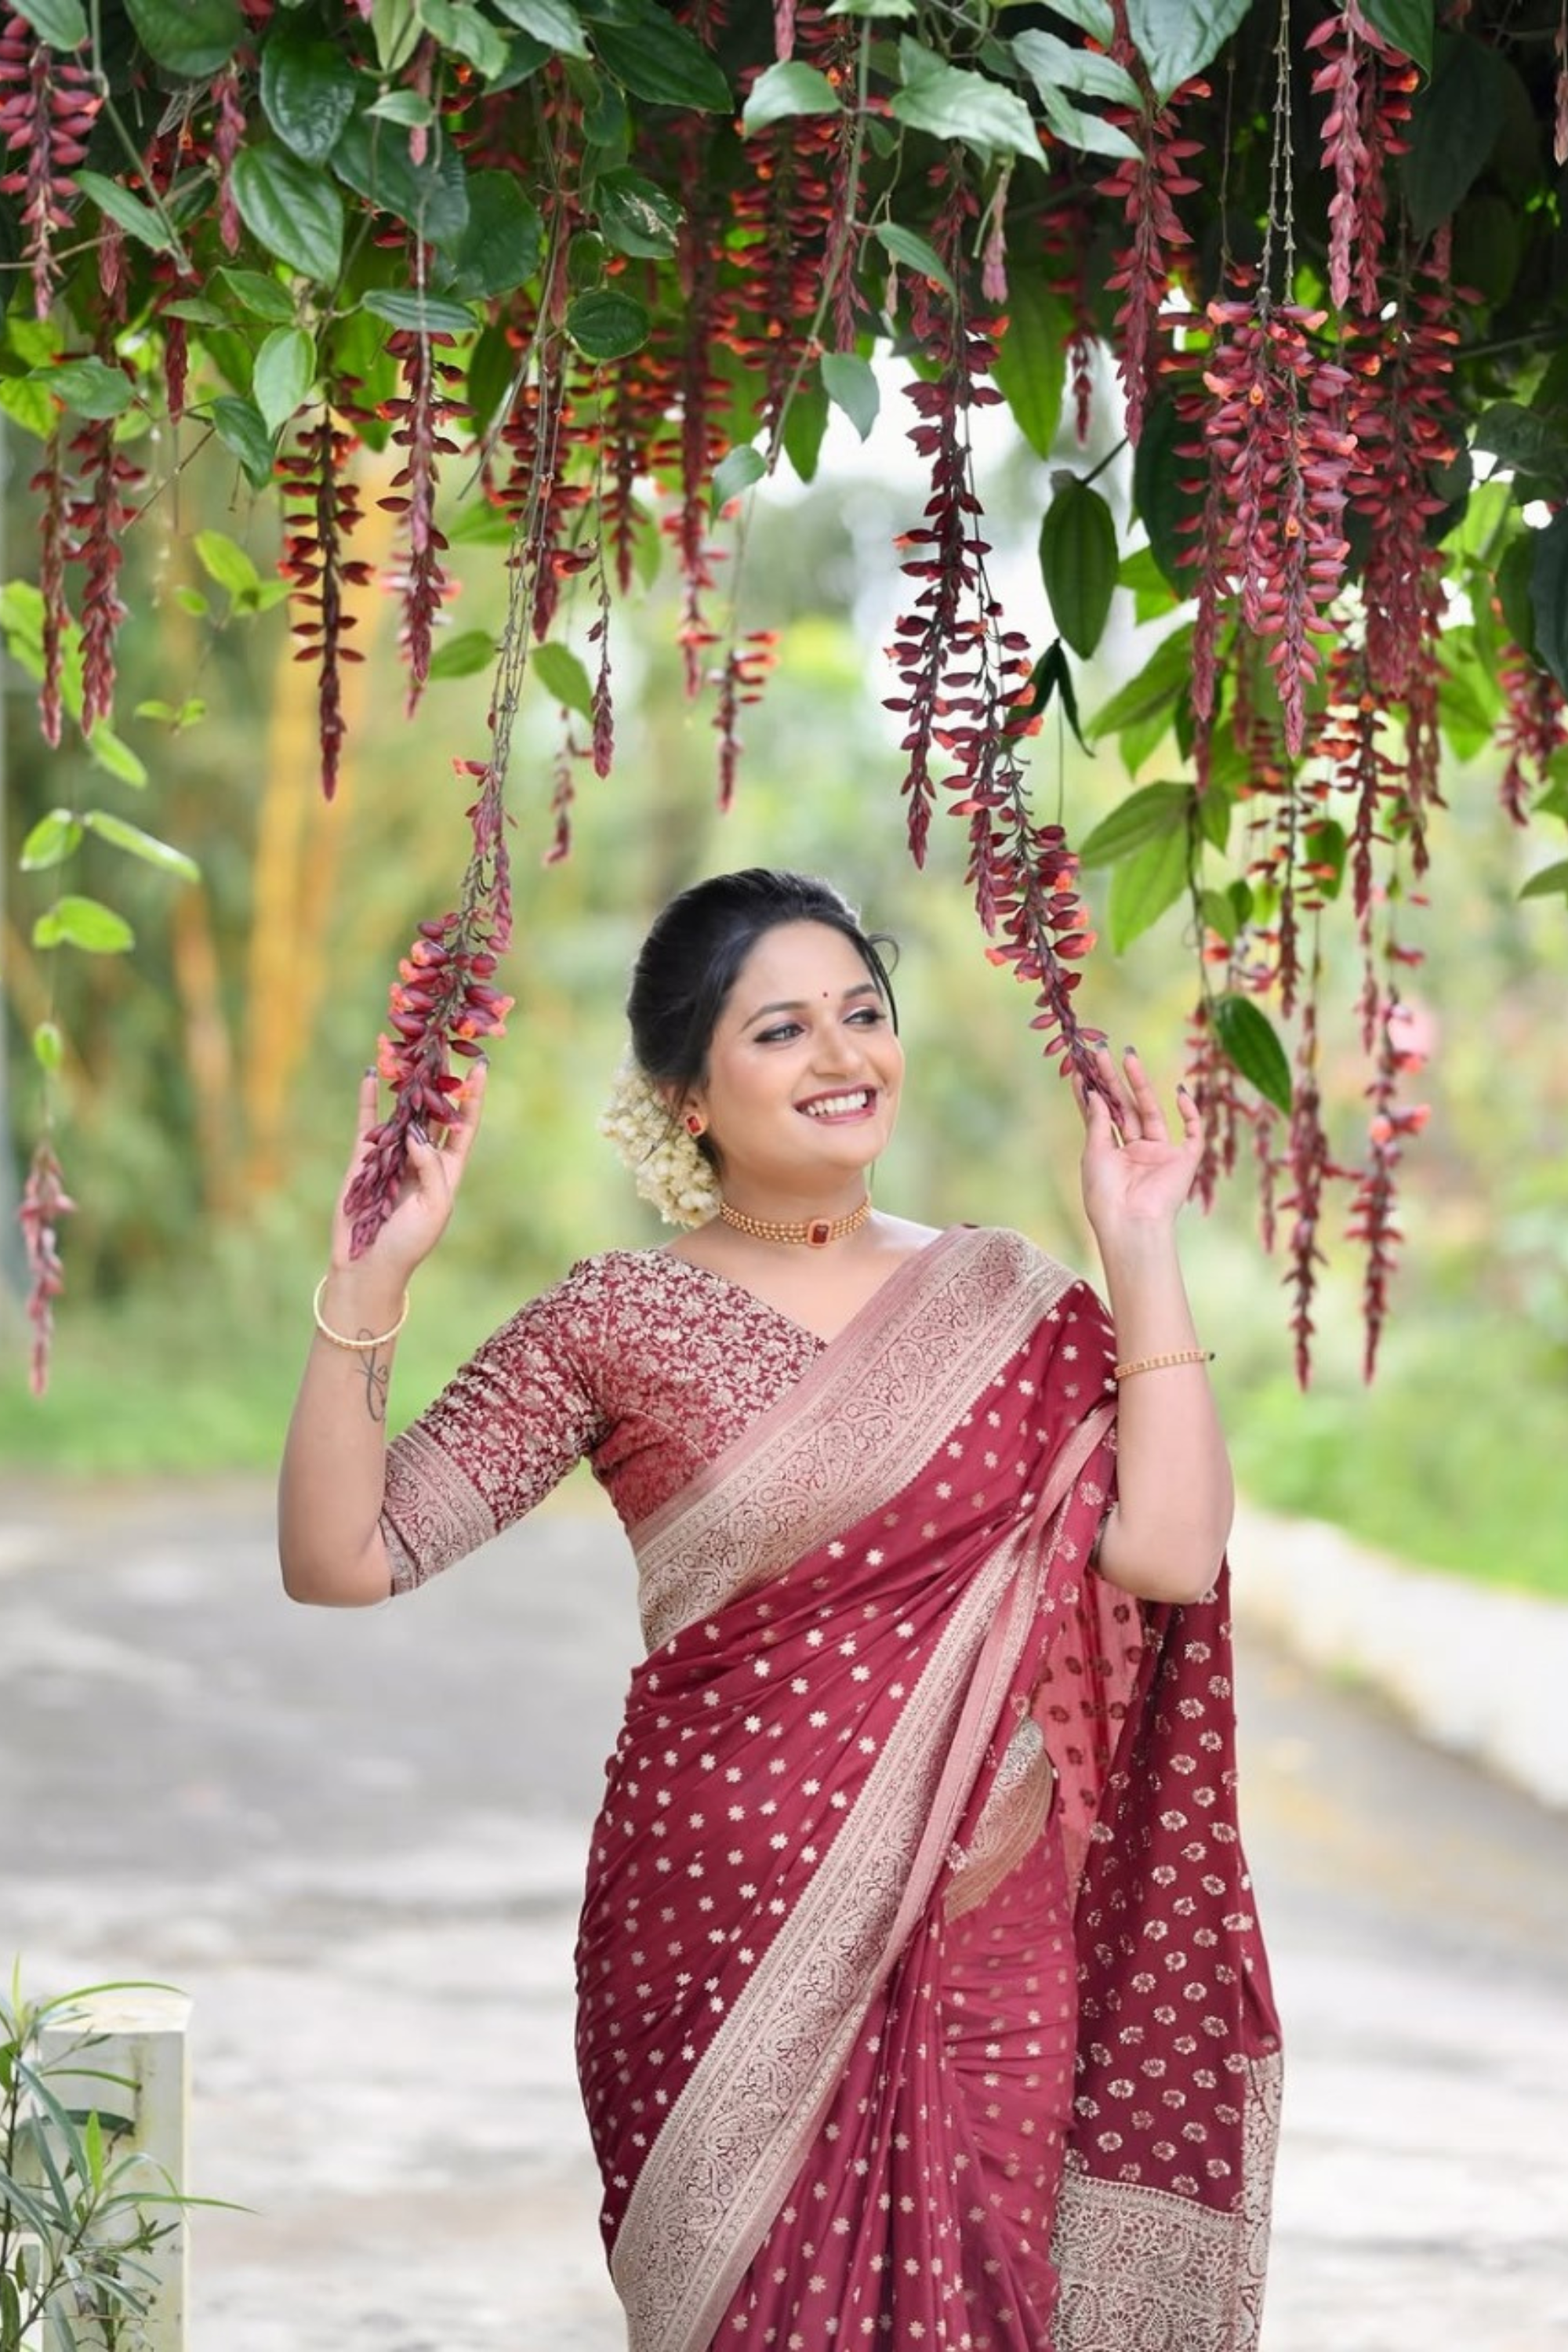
1135,1171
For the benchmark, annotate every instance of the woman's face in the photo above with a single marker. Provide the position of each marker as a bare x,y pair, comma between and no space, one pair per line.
803,1070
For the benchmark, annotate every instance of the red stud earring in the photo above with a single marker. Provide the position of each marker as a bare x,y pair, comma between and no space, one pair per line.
693,1123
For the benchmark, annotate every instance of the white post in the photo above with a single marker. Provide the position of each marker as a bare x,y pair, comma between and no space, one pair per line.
143,2043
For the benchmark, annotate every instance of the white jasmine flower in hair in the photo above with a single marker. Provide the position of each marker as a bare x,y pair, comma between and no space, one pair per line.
667,1166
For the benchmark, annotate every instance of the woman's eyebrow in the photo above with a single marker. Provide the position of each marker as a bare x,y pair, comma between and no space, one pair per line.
799,1004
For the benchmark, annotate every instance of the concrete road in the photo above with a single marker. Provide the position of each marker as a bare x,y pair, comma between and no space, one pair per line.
357,1839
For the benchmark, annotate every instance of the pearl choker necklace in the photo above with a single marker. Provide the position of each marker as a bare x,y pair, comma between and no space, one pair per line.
816,1233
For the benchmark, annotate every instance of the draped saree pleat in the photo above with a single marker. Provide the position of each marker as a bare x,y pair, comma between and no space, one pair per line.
911,1814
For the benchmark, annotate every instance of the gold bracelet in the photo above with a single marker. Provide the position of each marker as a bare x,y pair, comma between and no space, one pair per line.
355,1347
1158,1363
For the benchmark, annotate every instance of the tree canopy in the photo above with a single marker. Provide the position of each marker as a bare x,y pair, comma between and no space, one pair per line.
570,277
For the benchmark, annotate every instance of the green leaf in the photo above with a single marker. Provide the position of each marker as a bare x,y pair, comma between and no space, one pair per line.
1079,562
404,107
633,215
953,104
417,314
474,39
138,219
193,37
553,22
144,845
1154,689
1178,38
1143,816
734,474
498,251
1454,126
1143,884
1091,133
1161,497
605,325
25,400
912,252
239,426
1031,357
850,383
805,424
1094,17
1549,596
463,656
175,714
83,923
226,562
1405,25
1548,882
373,159
89,387
261,296
106,750
492,364
1052,674
1054,64
396,27
48,1045
895,11
1221,916
1250,1043
1512,581
291,209
285,370
60,22
51,842
562,677
785,88
1521,440
656,59
308,88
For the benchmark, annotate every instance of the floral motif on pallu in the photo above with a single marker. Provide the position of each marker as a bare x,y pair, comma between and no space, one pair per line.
1145,2271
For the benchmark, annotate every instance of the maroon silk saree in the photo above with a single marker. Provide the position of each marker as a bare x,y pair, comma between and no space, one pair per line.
921,1996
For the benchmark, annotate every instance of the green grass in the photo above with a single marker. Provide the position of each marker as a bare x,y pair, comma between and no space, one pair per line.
1456,1459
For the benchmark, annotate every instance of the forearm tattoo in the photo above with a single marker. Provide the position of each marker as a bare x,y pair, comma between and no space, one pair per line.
378,1380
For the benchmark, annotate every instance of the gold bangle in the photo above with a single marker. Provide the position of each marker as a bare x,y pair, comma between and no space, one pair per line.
1158,1363
355,1347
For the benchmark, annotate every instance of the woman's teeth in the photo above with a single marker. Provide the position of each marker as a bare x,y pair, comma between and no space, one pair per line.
836,1106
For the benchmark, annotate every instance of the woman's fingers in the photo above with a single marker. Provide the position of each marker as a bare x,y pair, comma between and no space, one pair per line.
460,1139
1150,1117
368,1108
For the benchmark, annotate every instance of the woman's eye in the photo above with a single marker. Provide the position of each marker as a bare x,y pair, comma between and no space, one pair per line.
869,1016
786,1029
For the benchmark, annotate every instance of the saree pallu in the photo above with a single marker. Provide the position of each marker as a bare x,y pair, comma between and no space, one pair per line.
921,1996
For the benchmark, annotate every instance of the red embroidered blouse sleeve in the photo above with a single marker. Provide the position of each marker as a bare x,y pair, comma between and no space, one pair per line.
520,1414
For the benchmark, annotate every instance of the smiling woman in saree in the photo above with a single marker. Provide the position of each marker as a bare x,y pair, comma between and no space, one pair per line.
921,1995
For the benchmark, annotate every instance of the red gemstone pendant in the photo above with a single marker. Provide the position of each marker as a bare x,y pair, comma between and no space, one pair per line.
820,1231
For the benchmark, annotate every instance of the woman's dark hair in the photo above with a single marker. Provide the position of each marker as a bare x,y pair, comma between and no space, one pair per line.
692,957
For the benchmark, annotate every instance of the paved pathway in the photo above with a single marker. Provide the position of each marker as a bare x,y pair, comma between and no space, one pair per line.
357,1840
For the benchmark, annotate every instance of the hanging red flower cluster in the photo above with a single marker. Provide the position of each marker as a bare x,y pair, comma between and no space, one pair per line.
45,1202
48,108
1373,1221
320,510
1282,453
968,695
429,399
1369,85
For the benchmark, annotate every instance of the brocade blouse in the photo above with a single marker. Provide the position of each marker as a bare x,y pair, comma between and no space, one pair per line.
641,1361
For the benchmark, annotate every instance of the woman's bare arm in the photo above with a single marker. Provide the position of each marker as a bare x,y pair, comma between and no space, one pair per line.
334,1460
1166,1534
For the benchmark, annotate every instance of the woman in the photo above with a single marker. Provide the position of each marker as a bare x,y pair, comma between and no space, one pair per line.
920,1998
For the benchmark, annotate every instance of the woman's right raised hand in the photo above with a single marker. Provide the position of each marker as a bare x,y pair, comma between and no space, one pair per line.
431,1177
